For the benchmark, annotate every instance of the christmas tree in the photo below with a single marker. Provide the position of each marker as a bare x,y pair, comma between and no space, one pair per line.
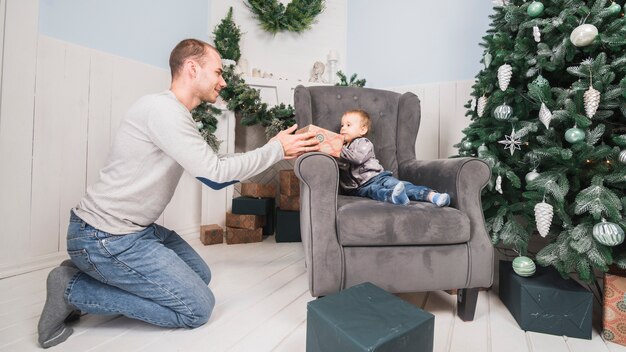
549,117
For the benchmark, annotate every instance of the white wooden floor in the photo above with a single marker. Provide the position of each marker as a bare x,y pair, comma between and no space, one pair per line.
261,291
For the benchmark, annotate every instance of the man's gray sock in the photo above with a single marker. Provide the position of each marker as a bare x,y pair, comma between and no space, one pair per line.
51,327
75,314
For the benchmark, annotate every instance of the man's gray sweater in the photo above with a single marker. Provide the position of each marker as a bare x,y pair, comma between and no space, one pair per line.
156,141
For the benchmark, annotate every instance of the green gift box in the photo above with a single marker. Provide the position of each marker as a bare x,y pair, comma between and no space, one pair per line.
367,318
287,226
547,303
256,206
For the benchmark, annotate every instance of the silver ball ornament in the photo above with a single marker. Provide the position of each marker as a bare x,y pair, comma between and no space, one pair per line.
199,125
583,35
531,176
503,112
608,233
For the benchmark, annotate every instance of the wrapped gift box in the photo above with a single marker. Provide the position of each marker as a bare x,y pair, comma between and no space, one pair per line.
289,202
547,303
258,190
257,206
330,142
245,221
288,226
211,234
235,236
289,183
614,309
367,318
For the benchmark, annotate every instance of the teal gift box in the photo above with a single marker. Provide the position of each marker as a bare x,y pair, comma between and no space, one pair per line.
367,318
547,303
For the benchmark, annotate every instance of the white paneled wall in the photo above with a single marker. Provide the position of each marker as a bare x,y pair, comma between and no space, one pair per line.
55,136
443,117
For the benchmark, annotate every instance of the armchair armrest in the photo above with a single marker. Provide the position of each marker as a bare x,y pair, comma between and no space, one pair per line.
319,176
463,179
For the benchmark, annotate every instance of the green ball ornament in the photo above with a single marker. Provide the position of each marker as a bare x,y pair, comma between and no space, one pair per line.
574,135
535,9
467,145
199,125
615,8
608,233
503,112
524,266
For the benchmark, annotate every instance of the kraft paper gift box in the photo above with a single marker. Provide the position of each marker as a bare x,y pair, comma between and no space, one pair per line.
289,183
245,221
235,236
547,303
211,234
289,202
330,142
367,318
257,206
258,190
614,309
288,226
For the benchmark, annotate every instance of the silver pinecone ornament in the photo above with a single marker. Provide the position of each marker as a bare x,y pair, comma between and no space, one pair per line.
592,101
536,34
499,184
480,106
505,72
543,217
545,116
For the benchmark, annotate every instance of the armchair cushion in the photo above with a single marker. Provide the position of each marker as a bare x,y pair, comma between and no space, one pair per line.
366,222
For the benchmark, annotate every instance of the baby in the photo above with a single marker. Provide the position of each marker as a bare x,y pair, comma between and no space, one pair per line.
361,174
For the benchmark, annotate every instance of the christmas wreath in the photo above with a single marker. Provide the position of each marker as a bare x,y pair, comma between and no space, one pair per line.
275,17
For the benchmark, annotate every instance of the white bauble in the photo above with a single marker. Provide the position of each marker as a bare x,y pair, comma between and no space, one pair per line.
531,175
583,35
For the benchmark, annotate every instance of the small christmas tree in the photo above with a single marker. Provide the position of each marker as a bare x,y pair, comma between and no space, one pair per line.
227,35
550,119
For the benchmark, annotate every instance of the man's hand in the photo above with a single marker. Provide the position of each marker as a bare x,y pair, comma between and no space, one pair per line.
295,145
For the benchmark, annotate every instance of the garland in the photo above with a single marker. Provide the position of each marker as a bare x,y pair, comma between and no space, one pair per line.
296,17
244,100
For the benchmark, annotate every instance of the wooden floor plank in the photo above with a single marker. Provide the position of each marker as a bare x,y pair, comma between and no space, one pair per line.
262,291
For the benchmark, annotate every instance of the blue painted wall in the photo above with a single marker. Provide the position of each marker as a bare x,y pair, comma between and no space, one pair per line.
142,30
404,42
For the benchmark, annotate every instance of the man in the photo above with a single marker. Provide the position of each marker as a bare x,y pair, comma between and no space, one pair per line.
123,263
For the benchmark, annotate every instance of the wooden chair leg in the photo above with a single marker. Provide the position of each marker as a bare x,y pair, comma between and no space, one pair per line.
466,303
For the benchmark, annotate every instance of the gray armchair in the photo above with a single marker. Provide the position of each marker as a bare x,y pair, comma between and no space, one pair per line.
348,240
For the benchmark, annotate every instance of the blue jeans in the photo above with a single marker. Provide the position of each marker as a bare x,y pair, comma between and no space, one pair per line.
380,187
152,275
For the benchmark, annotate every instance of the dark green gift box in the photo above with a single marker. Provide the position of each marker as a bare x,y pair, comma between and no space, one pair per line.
367,318
288,226
547,303
256,206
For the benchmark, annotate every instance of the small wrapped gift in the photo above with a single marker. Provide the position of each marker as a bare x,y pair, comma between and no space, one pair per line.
614,309
288,226
257,206
367,318
234,235
245,221
547,303
211,234
290,203
258,190
330,142
289,183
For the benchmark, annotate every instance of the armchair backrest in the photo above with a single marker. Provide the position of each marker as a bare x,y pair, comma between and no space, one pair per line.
395,117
